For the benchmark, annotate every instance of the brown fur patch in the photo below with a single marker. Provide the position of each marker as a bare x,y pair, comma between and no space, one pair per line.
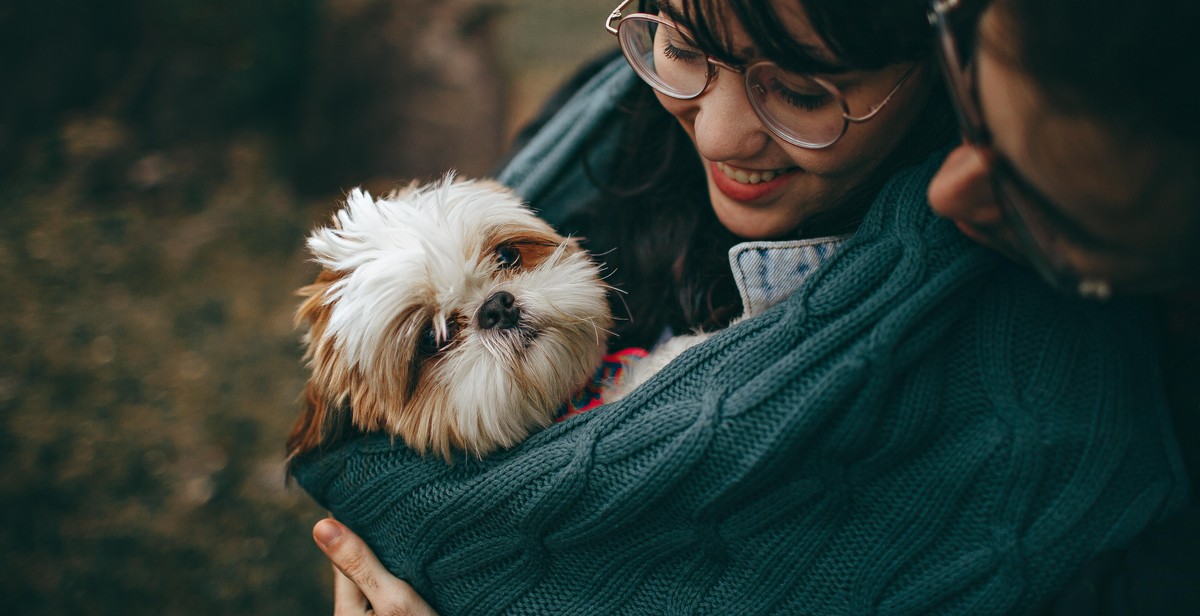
313,426
337,395
398,389
534,245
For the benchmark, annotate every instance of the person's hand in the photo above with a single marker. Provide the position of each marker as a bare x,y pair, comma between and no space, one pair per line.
361,584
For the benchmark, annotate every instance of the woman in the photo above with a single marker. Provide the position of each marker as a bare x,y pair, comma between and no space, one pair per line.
1091,176
909,424
681,150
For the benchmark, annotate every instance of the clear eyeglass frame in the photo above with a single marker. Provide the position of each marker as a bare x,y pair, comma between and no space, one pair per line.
1021,205
753,87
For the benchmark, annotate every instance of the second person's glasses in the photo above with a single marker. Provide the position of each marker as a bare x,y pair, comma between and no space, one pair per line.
1025,210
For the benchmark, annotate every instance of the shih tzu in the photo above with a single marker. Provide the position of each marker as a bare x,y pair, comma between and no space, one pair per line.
447,315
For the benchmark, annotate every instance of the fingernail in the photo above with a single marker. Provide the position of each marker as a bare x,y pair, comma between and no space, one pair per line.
327,531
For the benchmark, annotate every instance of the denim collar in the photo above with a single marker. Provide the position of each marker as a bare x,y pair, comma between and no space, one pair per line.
767,272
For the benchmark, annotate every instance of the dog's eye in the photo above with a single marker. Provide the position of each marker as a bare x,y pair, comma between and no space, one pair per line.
429,343
507,256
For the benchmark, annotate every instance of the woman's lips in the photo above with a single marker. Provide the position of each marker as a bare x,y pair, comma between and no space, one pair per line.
748,185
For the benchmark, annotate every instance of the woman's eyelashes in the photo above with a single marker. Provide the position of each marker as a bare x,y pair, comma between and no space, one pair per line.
685,54
796,99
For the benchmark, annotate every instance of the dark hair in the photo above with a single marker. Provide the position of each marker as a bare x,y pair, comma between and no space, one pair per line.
654,228
1132,67
1129,69
863,34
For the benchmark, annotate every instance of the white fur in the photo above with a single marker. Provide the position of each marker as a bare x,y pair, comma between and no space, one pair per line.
641,371
425,257
429,251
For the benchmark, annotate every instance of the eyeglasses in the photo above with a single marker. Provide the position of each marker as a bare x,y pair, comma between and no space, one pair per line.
1027,213
803,110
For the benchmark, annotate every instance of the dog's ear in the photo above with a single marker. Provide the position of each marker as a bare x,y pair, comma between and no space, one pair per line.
321,421
306,434
314,310
320,424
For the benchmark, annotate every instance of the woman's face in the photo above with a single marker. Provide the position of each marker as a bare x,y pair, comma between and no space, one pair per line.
737,148
1118,209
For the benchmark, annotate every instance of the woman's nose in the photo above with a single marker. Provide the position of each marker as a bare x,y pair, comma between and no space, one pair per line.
962,190
727,128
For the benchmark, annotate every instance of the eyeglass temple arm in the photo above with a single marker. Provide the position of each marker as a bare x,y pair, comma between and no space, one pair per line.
942,6
874,110
615,16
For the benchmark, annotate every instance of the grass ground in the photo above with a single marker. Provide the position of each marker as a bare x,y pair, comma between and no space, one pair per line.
150,369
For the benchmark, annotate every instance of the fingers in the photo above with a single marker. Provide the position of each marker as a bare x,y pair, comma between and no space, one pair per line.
348,600
362,583
349,554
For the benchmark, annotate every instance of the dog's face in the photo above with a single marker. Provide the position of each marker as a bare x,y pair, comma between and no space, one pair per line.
448,315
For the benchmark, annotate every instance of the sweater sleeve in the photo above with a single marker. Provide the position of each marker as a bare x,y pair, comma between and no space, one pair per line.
919,429
1157,574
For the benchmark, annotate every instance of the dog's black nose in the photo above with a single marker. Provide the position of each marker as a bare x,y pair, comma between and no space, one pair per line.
500,310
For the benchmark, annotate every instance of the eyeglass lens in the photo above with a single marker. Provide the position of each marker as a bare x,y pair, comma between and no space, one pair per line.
802,110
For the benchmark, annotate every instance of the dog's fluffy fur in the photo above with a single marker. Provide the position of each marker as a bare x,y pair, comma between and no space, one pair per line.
448,315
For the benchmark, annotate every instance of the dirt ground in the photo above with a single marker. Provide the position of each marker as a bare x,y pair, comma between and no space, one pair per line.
148,260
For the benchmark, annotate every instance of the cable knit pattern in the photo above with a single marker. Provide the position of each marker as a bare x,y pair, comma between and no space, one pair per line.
921,428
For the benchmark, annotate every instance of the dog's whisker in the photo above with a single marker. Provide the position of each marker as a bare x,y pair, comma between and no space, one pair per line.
617,290
620,294
480,329
608,274
600,339
596,329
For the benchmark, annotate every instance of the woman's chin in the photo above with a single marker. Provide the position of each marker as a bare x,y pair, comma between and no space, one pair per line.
759,211
750,223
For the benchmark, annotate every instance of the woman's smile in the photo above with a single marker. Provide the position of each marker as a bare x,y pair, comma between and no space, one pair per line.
749,185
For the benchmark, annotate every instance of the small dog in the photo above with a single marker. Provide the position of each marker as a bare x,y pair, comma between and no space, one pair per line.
448,315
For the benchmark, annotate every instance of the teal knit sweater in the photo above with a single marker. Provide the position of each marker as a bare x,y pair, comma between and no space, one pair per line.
920,428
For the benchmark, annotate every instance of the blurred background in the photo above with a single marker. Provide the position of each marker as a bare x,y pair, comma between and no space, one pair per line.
160,164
